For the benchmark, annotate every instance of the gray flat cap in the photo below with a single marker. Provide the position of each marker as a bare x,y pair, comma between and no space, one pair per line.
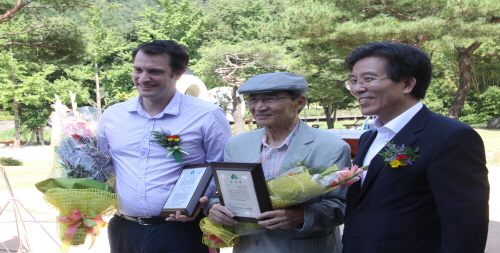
275,82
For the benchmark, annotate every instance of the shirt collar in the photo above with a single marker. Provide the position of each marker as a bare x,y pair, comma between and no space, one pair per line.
400,121
172,108
286,141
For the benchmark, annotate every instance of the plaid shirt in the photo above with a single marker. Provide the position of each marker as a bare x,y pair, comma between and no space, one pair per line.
272,158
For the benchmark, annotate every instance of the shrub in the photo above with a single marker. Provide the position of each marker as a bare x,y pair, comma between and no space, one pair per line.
481,107
6,116
473,119
9,161
491,102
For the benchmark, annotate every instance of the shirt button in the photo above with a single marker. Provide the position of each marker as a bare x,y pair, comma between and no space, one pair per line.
357,209
257,242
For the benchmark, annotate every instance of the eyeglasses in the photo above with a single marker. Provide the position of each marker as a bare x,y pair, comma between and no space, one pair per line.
364,82
266,100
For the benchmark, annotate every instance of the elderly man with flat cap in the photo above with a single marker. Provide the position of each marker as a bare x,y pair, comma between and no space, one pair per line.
275,100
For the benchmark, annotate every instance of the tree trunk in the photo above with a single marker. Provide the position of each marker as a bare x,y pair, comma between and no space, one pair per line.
249,122
250,125
32,138
239,122
97,88
465,68
334,118
15,103
17,140
37,136
328,109
40,134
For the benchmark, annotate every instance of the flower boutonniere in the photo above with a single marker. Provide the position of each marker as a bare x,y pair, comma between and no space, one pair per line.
170,142
398,156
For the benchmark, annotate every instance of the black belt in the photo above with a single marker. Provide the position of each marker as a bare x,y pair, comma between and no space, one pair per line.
144,220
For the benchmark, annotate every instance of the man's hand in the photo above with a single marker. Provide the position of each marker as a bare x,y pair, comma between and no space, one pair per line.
180,217
282,218
219,214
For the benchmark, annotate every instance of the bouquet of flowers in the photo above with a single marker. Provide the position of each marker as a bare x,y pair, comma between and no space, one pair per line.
81,182
294,187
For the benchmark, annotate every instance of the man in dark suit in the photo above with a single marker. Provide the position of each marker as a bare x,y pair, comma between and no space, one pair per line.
429,192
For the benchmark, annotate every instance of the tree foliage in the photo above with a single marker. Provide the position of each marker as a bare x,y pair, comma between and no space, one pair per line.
172,20
441,25
40,28
240,20
232,64
54,46
102,45
34,33
21,84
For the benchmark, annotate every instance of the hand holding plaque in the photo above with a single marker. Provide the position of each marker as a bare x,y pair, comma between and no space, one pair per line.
188,190
242,189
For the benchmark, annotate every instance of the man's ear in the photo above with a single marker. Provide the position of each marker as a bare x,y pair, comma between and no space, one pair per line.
301,102
409,83
179,74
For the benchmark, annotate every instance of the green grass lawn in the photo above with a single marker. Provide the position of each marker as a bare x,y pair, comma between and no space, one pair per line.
25,136
491,139
27,175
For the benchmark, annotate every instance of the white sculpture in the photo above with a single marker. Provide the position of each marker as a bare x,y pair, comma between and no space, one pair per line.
223,97
191,85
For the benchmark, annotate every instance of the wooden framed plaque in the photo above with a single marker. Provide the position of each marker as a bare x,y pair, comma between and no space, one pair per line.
188,190
242,189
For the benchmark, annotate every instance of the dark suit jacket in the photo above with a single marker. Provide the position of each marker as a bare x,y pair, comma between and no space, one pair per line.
438,204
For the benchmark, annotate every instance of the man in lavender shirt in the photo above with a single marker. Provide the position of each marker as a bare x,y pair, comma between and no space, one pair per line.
144,175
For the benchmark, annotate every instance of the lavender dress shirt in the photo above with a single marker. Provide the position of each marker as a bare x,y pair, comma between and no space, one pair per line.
144,176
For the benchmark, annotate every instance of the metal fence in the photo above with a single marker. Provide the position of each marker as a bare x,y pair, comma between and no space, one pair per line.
6,125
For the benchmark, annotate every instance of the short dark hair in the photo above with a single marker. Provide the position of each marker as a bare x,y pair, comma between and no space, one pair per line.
294,94
402,61
179,58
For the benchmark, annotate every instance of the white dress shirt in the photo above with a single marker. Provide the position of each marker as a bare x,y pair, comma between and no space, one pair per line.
144,176
387,132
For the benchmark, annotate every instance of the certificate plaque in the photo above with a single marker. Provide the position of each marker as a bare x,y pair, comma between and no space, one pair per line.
242,189
188,190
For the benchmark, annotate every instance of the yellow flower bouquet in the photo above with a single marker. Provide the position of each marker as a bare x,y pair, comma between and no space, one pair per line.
294,187
81,182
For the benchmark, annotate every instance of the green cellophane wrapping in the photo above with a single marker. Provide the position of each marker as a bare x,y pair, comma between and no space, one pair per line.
292,188
85,200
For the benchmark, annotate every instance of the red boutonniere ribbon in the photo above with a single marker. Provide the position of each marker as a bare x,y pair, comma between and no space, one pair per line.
92,222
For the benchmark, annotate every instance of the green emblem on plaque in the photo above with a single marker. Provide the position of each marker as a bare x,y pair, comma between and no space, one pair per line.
192,172
233,176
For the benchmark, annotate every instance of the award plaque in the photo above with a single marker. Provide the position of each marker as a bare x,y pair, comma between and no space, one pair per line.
242,189
188,190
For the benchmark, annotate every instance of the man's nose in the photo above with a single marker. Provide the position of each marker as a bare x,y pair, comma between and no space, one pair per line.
260,104
143,77
356,89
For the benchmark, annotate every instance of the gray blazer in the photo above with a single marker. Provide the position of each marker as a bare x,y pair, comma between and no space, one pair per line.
322,215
